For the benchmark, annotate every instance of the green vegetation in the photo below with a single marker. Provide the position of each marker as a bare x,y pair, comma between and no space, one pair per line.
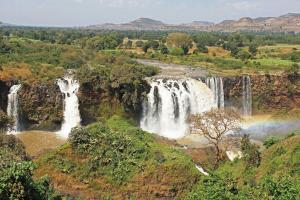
119,156
113,159
16,181
276,177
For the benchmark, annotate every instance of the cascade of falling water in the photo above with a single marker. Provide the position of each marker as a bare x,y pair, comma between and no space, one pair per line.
216,85
69,89
247,96
169,104
12,108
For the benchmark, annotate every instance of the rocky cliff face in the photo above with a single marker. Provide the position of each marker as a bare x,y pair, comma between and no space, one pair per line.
4,90
41,106
270,93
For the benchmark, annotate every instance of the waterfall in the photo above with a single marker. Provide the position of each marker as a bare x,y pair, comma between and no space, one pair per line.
12,108
169,104
69,89
247,96
216,85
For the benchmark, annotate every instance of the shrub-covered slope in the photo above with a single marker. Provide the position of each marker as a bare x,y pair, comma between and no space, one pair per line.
277,176
116,160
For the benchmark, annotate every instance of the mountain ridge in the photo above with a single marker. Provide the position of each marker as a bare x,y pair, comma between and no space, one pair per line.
289,22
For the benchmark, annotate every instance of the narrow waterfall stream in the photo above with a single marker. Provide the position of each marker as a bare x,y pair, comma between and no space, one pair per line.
216,85
12,109
69,88
247,96
169,104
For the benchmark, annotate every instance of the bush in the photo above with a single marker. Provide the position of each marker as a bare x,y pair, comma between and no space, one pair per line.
4,121
283,188
112,152
271,141
214,188
16,183
176,51
251,154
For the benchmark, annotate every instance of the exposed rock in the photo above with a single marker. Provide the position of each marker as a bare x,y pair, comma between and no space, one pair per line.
270,92
41,106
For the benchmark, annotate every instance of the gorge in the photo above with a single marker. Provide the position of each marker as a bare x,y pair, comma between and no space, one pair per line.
165,108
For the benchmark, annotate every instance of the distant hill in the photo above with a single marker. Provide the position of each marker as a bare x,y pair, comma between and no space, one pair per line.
285,23
2,24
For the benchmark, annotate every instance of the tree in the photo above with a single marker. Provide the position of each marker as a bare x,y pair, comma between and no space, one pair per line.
243,55
139,43
180,40
202,48
253,49
153,44
251,154
164,49
129,44
145,47
214,125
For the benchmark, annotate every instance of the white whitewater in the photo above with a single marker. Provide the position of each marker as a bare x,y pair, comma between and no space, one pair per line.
69,89
201,170
232,155
169,104
247,96
12,109
216,85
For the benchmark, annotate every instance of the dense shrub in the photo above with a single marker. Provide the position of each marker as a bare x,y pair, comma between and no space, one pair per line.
176,51
16,183
115,153
271,141
251,154
16,180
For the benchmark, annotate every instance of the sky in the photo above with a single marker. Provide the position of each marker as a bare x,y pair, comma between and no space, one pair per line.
90,12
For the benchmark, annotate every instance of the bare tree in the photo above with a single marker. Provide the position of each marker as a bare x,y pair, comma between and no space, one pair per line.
214,125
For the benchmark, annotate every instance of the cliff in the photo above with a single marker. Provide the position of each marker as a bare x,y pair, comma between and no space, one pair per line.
269,92
41,106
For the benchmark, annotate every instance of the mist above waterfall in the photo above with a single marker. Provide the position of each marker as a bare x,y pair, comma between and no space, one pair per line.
169,104
12,108
69,88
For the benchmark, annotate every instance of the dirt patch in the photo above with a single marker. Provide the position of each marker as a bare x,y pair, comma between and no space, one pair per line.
37,142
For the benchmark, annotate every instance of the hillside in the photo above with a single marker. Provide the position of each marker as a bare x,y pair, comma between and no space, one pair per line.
277,177
285,23
118,161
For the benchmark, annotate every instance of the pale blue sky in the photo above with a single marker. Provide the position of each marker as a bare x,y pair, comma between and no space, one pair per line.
87,12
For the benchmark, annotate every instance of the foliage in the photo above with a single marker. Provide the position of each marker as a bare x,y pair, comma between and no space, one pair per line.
4,121
214,188
275,178
253,49
16,180
271,141
180,40
283,188
251,154
117,153
202,48
176,51
243,55
16,183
